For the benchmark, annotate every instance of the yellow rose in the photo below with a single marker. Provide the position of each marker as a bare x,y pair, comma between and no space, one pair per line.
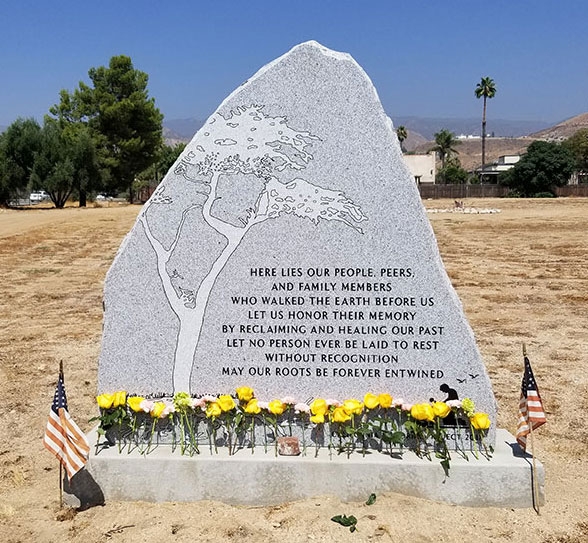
422,411
244,394
371,401
157,410
120,398
480,421
441,409
105,401
318,419
252,407
340,415
385,400
226,402
135,403
277,407
319,407
213,409
353,407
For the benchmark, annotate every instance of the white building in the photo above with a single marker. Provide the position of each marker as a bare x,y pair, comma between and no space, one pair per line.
504,163
422,168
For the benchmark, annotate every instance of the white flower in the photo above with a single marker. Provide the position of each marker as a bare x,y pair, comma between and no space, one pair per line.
263,405
331,402
289,400
454,403
209,399
398,402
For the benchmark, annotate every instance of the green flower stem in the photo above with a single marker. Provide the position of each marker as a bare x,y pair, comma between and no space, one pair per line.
228,424
182,434
474,443
214,436
193,440
133,430
252,433
148,450
208,425
120,440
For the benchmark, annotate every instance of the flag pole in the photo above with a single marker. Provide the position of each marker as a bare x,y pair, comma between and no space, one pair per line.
60,464
534,470
534,464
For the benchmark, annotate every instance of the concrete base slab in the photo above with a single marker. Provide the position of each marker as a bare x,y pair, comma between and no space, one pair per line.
263,479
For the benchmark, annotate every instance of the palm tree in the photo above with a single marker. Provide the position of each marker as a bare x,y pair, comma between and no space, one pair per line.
402,134
445,142
486,89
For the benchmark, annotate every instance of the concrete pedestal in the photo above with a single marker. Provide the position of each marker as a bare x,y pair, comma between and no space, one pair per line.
263,479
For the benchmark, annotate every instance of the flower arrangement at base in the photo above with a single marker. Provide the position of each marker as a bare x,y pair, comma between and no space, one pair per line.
113,416
378,422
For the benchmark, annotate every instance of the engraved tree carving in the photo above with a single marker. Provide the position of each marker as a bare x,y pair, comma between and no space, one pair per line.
267,146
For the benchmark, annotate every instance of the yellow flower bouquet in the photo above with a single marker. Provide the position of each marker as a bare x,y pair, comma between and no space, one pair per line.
377,422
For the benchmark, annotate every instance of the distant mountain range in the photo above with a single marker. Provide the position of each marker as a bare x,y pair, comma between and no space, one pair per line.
563,130
470,150
420,129
427,126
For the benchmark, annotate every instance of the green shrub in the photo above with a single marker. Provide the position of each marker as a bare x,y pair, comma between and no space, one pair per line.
544,195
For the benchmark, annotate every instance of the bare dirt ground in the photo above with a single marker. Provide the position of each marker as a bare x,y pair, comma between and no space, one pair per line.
521,274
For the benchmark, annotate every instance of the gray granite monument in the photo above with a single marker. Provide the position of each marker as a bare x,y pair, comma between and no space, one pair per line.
288,250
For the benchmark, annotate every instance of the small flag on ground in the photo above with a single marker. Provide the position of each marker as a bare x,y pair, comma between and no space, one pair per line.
531,414
63,437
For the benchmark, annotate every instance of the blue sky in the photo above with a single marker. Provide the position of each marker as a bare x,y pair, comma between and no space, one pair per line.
425,57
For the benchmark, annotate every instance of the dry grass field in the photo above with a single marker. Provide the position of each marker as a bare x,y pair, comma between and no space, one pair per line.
521,275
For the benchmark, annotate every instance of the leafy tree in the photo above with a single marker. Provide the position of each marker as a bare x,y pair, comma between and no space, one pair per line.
53,167
445,143
578,146
544,166
80,142
18,145
124,122
485,89
152,176
402,134
164,160
65,163
453,173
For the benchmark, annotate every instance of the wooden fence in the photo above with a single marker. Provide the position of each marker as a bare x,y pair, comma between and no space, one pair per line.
459,192
456,192
572,190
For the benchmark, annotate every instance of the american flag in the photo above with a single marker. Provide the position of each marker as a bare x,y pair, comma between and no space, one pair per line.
531,414
63,437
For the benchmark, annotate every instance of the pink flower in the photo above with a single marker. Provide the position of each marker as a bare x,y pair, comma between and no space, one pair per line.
407,406
146,406
289,400
263,405
198,402
398,402
331,402
168,410
454,403
302,408
208,398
